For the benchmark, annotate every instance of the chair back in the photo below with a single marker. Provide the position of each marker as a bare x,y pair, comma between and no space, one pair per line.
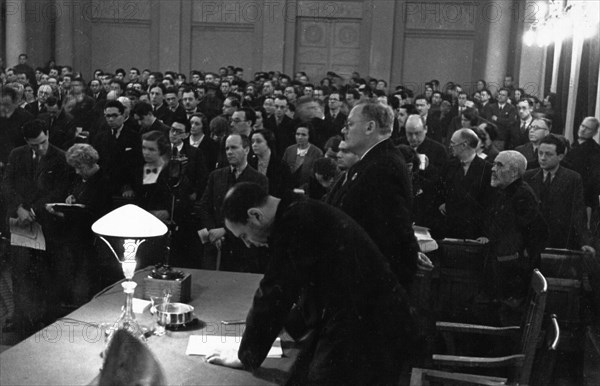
532,324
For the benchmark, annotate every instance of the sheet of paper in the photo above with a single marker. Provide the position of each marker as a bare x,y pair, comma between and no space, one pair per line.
209,344
29,236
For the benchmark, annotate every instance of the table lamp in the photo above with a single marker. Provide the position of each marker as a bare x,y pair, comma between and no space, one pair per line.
134,225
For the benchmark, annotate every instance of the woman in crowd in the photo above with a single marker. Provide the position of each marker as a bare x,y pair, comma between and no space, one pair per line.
487,134
300,157
265,161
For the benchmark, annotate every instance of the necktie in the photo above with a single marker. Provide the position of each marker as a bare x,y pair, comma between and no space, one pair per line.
114,133
175,151
546,187
523,126
465,167
152,170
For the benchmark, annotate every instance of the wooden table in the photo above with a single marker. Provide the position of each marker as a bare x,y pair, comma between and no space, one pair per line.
68,351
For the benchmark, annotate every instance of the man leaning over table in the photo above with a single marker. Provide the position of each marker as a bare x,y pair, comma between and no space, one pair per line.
360,311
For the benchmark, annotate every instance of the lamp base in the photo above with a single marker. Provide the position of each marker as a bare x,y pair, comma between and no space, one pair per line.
180,289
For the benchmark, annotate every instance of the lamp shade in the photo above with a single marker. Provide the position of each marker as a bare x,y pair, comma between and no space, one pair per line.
129,221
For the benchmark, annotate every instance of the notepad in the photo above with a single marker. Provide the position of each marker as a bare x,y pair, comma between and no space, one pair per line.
210,344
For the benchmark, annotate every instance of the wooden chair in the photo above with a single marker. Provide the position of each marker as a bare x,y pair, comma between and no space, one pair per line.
426,377
565,272
460,266
528,335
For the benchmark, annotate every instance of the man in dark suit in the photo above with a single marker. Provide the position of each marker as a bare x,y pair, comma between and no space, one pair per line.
12,117
430,119
377,193
119,149
560,191
584,158
176,108
39,106
504,115
143,114
344,279
435,154
465,187
159,108
192,161
36,174
519,132
515,228
334,118
281,125
235,256
538,130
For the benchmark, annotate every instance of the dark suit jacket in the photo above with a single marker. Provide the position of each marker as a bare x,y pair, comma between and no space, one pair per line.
210,151
119,157
179,113
301,175
506,118
336,125
434,126
278,174
466,197
285,133
34,187
219,182
10,132
34,109
516,136
195,168
562,206
532,158
164,114
377,194
585,159
158,126
346,281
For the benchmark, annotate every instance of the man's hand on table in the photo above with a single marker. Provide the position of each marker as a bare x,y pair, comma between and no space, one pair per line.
227,358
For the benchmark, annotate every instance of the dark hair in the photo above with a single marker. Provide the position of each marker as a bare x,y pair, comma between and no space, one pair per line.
410,155
552,139
159,85
204,120
142,109
333,143
164,146
114,80
249,114
32,129
354,93
491,130
51,101
421,96
326,167
10,92
172,90
472,115
470,137
307,126
135,69
120,71
269,137
410,109
240,198
528,100
235,101
186,123
504,89
116,104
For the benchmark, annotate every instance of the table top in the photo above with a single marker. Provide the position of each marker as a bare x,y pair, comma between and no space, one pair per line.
68,351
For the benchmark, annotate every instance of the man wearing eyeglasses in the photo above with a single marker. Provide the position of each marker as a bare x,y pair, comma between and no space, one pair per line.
538,130
465,187
335,118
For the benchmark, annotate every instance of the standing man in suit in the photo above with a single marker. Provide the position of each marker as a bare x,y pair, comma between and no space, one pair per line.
335,119
504,115
434,152
465,187
538,130
584,157
519,132
159,108
377,193
36,174
560,191
431,120
235,255
281,125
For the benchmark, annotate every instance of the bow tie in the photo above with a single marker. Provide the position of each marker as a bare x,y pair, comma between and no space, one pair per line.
153,171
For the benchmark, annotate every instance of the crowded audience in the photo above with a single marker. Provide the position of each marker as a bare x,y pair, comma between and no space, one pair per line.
480,164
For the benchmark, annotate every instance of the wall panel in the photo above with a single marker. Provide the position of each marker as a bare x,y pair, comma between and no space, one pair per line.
217,45
120,45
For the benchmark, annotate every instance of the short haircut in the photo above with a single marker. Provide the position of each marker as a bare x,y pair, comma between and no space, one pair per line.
504,89
529,101
437,92
116,104
142,109
354,92
115,80
547,121
188,90
240,198
249,114
51,101
269,137
333,143
491,130
203,118
219,126
552,139
423,97
172,90
234,101
326,167
137,71
472,115
159,85
383,116
186,123
594,121
164,146
8,91
33,129
281,98
82,154
516,161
